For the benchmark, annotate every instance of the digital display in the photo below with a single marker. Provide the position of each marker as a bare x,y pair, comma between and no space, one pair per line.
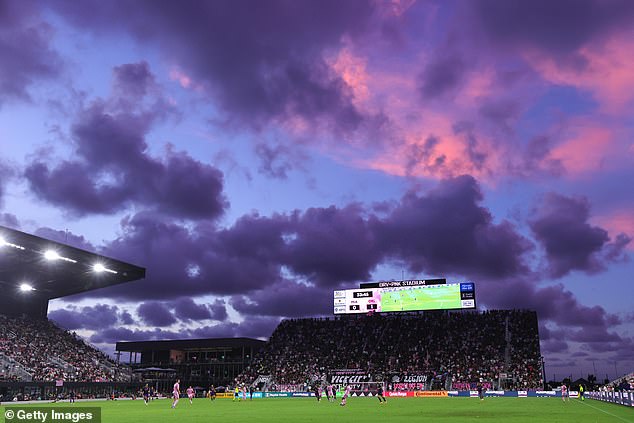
405,298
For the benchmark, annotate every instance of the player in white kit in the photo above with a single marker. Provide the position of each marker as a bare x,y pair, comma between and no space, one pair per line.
346,394
176,393
190,394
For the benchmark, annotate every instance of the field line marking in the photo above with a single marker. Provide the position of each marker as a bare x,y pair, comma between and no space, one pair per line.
603,411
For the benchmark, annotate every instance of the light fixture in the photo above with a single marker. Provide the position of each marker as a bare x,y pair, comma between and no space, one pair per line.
100,268
51,255
25,287
4,242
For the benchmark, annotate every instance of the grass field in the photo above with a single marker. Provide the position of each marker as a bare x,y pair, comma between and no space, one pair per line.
398,410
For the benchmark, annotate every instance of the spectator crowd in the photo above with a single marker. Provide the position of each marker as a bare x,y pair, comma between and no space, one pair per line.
463,347
47,353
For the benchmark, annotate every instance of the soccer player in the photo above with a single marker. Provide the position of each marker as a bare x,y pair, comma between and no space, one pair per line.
329,393
176,393
244,392
190,394
317,391
146,394
251,389
581,393
480,388
379,394
564,392
212,393
236,393
345,395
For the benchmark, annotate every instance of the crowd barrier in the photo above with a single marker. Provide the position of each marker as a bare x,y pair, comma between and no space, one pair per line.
623,398
418,394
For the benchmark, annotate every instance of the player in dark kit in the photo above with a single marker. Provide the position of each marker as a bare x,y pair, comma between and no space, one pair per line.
212,393
480,388
146,394
317,391
379,394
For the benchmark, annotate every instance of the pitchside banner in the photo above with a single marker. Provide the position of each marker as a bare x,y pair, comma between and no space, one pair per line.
401,382
624,398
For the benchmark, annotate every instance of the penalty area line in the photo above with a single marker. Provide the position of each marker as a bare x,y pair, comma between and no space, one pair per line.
603,411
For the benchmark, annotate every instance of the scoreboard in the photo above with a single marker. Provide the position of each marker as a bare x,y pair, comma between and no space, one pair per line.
405,298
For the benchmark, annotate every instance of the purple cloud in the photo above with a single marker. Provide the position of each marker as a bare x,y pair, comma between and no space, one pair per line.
65,237
6,172
27,56
441,76
95,317
442,231
261,62
447,231
277,161
286,299
113,169
186,309
559,27
9,220
155,313
332,245
561,225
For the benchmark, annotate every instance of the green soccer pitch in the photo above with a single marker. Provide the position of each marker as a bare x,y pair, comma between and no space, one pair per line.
397,410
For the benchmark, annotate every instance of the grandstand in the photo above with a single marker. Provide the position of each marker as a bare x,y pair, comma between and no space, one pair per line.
34,352
445,350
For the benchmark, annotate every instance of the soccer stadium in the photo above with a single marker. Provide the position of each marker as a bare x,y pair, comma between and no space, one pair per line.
294,211
441,363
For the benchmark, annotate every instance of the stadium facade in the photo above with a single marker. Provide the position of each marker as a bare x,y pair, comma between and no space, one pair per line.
200,362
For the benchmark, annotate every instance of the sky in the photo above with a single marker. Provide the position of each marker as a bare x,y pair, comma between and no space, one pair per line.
255,156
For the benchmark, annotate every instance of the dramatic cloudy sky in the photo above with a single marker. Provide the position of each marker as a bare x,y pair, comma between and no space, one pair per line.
254,156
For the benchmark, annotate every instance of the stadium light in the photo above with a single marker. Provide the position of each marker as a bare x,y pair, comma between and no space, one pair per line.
100,268
25,287
51,255
4,242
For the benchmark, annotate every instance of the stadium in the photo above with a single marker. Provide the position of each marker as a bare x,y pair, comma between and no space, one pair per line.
435,356
316,211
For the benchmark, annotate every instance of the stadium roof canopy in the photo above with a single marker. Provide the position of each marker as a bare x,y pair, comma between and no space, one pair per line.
41,269
188,344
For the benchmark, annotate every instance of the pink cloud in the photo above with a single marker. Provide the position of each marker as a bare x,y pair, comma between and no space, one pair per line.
620,221
184,80
585,150
607,73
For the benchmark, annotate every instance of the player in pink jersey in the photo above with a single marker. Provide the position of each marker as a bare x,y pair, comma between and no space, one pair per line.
190,394
329,393
176,393
346,394
564,393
